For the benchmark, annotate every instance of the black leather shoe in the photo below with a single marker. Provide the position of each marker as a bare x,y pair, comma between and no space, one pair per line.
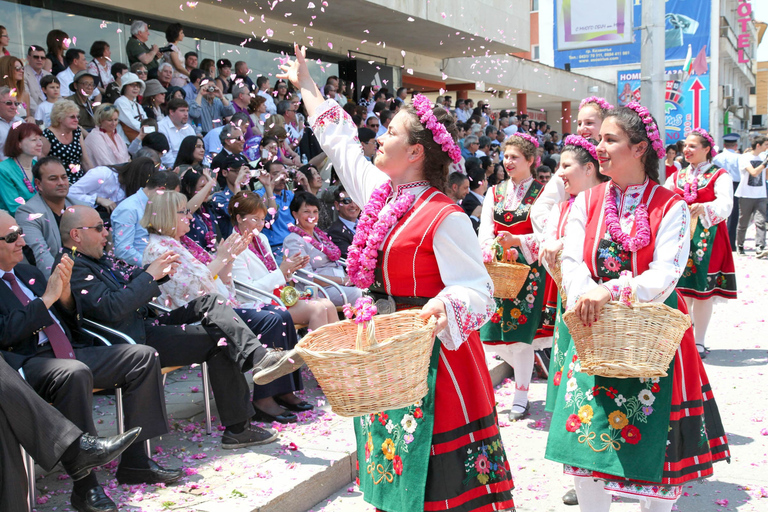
300,407
515,416
95,500
570,497
97,451
155,474
264,417
275,364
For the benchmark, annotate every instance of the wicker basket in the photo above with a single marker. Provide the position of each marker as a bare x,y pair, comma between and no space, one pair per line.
637,341
360,375
508,278
694,223
556,273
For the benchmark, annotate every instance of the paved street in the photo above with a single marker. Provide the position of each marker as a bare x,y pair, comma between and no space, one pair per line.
312,461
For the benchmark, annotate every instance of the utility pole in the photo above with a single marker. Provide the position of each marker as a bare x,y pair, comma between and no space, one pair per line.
652,70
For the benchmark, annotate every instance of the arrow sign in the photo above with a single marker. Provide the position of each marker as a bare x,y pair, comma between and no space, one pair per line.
696,88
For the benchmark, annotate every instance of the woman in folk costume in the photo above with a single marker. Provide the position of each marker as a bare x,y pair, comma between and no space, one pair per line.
414,247
641,438
710,273
580,171
506,218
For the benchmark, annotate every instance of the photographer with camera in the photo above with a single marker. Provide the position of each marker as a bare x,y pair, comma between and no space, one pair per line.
210,106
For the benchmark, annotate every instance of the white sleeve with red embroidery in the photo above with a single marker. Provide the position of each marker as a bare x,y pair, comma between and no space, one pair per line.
655,284
553,193
529,246
486,234
468,292
337,135
550,235
719,210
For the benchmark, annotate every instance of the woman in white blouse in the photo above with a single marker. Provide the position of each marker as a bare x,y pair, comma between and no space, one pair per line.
104,145
306,239
256,266
131,113
200,273
104,187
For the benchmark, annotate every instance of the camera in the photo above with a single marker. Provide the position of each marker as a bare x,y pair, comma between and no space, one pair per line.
210,88
165,49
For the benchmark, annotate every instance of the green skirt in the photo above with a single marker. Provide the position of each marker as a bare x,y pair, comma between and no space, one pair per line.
560,343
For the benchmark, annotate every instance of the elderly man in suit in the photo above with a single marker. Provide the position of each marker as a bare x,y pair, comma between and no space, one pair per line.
40,216
49,437
120,300
342,231
39,332
33,73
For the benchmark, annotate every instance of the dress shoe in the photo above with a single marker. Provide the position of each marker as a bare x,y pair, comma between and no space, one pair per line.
740,251
302,406
703,351
95,500
570,497
97,451
265,417
154,474
275,364
251,436
515,416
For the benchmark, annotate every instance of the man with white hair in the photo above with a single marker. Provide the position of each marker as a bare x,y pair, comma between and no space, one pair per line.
511,128
137,50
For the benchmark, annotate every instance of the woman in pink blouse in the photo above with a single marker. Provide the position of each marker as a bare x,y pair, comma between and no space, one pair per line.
103,145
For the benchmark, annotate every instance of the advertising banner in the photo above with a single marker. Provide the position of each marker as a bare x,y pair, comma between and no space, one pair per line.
592,23
687,23
686,103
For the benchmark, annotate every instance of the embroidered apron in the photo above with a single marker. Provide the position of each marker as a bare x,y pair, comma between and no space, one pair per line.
560,343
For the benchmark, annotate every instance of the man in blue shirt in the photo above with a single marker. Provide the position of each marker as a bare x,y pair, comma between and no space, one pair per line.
235,174
278,200
129,237
729,160
209,107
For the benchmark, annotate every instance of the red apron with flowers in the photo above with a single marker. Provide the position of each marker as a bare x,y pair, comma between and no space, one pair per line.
445,452
666,431
710,271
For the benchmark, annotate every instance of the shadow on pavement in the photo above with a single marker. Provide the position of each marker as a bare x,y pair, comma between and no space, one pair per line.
737,440
737,358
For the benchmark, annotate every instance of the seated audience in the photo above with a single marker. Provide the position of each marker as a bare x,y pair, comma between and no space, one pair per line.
306,239
120,300
191,89
23,146
153,100
8,115
543,174
175,127
40,216
368,141
128,235
457,187
343,229
257,267
112,90
105,187
308,179
200,274
34,72
278,199
241,100
131,112
101,64
64,139
165,74
55,42
49,347
473,201
83,85
235,175
191,154
52,90
209,106
12,75
104,146
203,228
224,77
76,62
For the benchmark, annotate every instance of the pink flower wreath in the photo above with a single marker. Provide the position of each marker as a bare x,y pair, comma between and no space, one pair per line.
650,127
440,135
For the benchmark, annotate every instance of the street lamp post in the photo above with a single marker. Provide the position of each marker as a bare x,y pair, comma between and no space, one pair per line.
652,70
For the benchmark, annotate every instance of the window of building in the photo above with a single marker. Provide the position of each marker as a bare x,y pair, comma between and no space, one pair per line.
534,5
535,52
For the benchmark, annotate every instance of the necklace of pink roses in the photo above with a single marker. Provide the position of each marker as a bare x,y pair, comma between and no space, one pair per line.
691,187
374,224
642,225
198,252
28,183
258,249
325,245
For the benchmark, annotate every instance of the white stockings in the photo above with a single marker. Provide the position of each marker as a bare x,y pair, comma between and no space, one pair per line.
701,314
520,357
594,498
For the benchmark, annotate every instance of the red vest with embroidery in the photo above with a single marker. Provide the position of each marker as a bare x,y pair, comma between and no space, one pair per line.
517,222
658,200
407,266
705,194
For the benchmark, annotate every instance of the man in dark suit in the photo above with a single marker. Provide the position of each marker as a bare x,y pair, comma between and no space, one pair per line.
342,231
39,332
120,300
473,201
45,434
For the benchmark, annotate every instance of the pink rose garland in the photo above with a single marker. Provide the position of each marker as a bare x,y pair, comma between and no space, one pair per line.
691,191
643,226
597,100
375,222
708,138
439,134
325,245
650,127
577,140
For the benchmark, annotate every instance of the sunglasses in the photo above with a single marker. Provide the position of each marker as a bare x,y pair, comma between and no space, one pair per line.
13,236
12,103
184,212
98,227
37,57
346,200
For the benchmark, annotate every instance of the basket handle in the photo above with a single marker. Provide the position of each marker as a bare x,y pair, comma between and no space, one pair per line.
366,336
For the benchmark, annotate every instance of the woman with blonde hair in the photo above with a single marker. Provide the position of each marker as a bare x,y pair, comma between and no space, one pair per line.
12,75
64,139
104,146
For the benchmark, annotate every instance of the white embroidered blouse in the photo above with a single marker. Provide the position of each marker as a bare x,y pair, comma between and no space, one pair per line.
670,254
468,288
514,197
715,211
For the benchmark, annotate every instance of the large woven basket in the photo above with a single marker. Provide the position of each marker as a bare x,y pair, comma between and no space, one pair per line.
360,375
556,273
637,341
508,278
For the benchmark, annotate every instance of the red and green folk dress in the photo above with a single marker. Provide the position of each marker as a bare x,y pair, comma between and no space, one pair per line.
709,272
561,338
445,451
644,437
520,320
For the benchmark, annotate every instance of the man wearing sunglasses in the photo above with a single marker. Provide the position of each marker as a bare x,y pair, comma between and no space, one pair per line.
40,216
8,116
40,323
33,73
